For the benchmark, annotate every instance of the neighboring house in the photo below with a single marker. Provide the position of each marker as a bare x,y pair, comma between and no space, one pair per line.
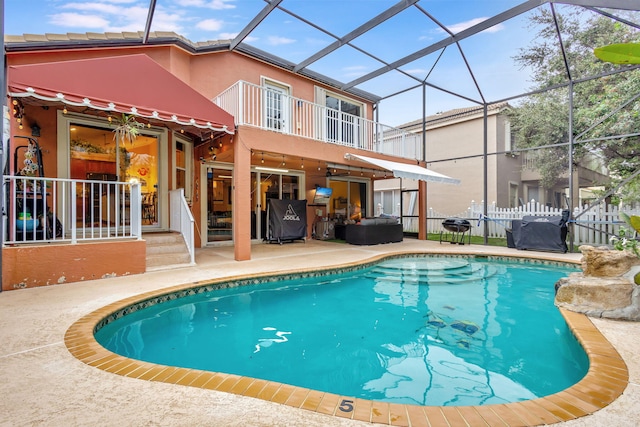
219,132
455,146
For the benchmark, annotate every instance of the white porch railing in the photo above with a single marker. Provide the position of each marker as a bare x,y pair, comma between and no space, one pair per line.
182,220
258,106
40,210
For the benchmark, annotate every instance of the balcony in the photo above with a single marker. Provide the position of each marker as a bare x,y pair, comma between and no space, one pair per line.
265,108
47,210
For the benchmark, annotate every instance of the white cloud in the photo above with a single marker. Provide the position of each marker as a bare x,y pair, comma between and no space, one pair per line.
354,71
210,25
456,28
131,15
231,36
213,4
228,36
77,20
277,41
115,16
94,7
163,21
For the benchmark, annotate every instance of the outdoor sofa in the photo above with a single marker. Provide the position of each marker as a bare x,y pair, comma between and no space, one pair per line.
374,231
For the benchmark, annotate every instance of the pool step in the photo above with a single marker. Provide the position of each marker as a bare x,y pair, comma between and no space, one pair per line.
166,251
437,276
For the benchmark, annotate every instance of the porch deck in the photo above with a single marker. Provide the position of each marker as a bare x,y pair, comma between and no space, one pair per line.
43,384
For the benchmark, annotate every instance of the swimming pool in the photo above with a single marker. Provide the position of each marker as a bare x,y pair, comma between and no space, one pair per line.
427,331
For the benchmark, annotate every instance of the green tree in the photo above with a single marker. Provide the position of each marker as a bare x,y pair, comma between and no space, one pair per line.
542,119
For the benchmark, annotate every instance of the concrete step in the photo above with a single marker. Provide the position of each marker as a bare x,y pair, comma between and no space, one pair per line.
166,251
166,248
162,238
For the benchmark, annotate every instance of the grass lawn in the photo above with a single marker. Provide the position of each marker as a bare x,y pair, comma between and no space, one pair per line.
475,240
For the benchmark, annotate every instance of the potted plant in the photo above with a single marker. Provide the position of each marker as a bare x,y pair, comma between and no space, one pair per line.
127,128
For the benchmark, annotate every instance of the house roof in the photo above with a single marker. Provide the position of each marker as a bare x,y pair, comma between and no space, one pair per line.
27,42
455,114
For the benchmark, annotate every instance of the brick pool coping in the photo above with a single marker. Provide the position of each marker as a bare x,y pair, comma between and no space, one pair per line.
604,382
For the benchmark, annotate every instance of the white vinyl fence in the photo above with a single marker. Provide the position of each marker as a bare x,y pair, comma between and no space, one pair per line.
591,225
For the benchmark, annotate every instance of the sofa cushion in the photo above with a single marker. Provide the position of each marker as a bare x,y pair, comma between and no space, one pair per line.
378,221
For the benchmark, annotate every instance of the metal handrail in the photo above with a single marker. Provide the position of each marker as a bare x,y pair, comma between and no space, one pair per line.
182,220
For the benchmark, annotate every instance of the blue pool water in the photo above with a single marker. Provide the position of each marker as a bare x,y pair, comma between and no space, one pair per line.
427,331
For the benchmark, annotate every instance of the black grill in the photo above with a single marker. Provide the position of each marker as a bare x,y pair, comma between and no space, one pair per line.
456,229
456,225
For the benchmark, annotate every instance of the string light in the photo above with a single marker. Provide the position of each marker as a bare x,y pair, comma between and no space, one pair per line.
319,165
262,160
301,163
18,111
283,163
64,110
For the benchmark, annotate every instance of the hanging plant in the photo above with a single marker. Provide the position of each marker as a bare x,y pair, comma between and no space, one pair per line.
127,128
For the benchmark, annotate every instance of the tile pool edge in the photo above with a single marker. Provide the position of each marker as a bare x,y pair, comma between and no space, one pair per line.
604,382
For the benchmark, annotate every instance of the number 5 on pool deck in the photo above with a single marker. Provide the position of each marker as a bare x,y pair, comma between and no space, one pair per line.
346,405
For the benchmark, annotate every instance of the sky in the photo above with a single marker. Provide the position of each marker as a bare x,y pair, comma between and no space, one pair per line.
489,55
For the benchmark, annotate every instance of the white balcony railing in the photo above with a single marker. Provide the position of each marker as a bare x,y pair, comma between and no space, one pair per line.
258,106
39,210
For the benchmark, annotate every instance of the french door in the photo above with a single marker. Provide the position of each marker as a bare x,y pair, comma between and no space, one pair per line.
95,155
276,108
343,121
219,204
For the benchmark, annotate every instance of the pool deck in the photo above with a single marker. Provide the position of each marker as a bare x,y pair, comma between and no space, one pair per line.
42,383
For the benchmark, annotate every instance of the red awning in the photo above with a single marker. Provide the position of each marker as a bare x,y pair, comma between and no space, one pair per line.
133,84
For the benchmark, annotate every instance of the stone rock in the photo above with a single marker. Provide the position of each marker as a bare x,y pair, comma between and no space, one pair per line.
605,288
605,262
611,297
